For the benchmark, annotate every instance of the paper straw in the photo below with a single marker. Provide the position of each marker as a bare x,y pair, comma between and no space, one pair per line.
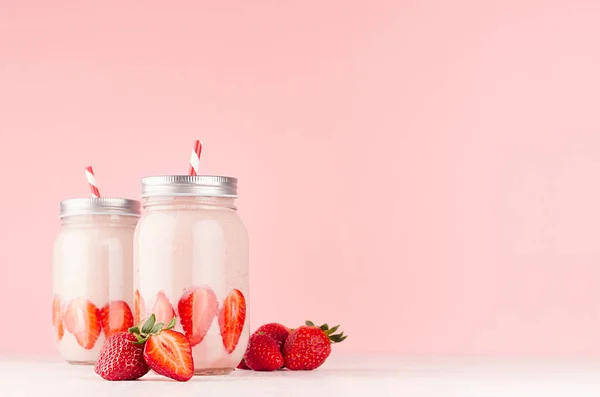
89,173
195,158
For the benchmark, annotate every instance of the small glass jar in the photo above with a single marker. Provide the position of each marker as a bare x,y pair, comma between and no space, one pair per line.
92,274
191,261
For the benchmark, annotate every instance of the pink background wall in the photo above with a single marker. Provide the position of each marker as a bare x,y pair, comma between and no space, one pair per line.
423,172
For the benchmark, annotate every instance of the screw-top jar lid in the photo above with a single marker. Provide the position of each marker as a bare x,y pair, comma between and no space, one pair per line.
186,185
99,206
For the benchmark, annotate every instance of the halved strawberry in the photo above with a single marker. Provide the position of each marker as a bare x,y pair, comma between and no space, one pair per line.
231,319
116,317
197,308
163,310
166,351
82,319
139,307
57,317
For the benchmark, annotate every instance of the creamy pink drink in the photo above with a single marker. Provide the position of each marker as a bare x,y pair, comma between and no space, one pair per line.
92,274
191,261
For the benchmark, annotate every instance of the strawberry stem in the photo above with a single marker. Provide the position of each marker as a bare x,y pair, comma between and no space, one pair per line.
149,327
333,338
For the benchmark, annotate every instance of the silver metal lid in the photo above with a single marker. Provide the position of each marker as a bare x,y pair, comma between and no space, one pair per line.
99,206
185,185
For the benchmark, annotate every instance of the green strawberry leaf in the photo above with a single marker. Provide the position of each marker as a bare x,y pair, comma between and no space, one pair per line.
157,328
147,328
172,323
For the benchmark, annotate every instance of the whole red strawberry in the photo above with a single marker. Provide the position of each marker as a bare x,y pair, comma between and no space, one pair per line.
275,331
121,358
263,353
307,347
242,365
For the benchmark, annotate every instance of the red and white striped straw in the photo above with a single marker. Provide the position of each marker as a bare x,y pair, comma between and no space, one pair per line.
89,173
195,158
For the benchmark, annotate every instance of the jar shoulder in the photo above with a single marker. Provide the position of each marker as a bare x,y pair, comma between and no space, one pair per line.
190,217
167,222
69,236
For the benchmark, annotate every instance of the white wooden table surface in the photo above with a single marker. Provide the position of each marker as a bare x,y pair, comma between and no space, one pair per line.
365,376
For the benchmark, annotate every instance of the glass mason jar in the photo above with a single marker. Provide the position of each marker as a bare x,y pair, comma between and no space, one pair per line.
92,274
191,261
